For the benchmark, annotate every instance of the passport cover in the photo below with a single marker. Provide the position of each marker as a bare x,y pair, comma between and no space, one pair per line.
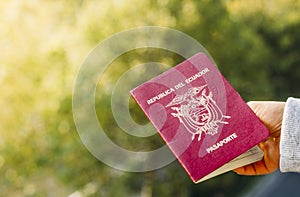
199,115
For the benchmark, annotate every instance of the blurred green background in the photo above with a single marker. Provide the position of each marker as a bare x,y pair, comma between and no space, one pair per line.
256,45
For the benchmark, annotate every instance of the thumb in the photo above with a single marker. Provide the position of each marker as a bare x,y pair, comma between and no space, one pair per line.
270,113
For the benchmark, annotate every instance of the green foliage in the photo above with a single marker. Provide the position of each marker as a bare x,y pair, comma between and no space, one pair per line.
43,43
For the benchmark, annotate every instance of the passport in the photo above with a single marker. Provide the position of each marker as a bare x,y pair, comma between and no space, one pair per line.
204,121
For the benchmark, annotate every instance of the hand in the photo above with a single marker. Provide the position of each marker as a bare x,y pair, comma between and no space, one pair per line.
270,113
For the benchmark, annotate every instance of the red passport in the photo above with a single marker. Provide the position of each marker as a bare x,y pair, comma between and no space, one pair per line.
204,121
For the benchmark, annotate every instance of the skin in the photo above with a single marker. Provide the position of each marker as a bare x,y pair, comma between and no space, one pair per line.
270,113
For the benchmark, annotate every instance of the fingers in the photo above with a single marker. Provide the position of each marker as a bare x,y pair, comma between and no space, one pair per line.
270,113
246,170
268,164
257,168
240,170
271,153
